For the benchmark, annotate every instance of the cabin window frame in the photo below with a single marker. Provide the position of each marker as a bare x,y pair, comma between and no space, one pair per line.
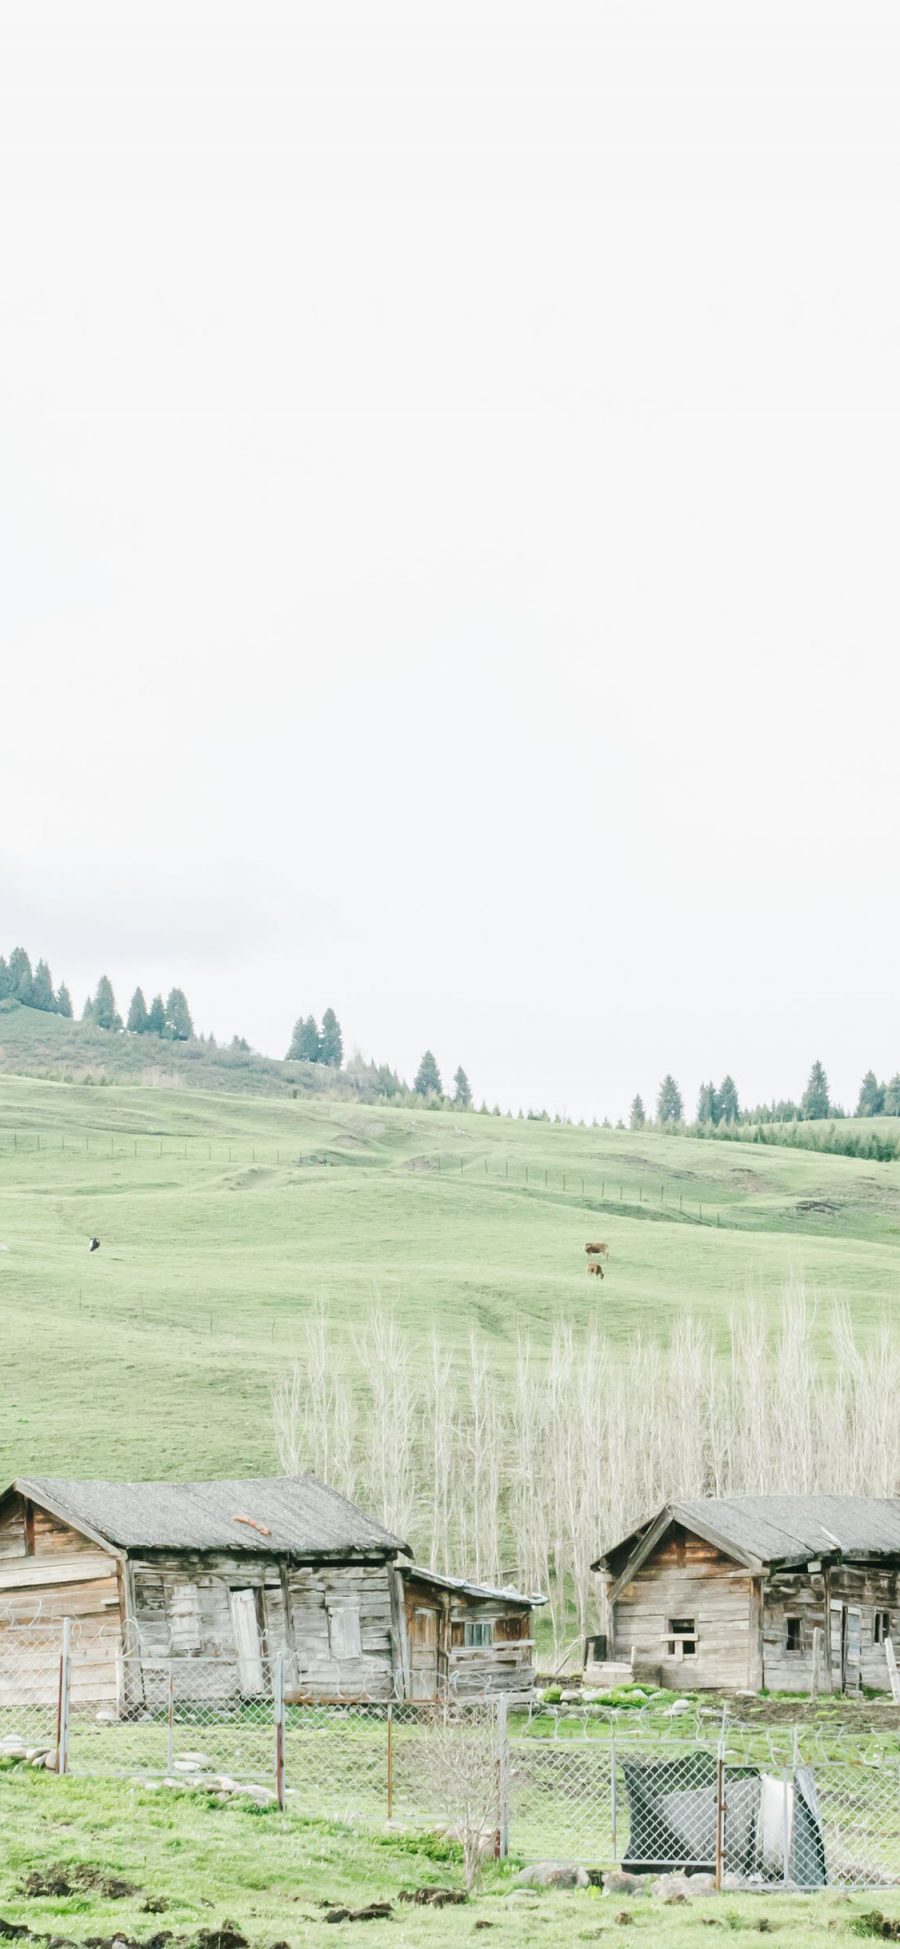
478,1633
882,1626
793,1633
682,1637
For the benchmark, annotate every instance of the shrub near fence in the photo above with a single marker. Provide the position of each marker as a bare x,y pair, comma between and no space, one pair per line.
774,1806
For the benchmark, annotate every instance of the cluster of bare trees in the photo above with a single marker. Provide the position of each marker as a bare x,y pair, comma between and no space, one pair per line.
525,1475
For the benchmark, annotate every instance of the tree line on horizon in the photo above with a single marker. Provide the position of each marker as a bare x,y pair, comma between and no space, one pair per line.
33,988
718,1105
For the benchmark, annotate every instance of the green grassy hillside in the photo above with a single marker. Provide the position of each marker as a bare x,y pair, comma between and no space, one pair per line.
35,1043
224,1218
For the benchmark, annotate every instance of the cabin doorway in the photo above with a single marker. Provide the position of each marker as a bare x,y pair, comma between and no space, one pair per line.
245,1626
423,1653
846,1638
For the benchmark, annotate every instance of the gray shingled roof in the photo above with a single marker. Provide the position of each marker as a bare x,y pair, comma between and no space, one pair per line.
782,1529
302,1515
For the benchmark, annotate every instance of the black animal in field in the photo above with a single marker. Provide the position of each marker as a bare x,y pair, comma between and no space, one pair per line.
94,1245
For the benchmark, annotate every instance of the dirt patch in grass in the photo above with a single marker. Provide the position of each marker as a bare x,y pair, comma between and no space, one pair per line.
59,1881
433,1897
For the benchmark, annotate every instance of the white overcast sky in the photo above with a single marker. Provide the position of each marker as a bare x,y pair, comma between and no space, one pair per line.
450,527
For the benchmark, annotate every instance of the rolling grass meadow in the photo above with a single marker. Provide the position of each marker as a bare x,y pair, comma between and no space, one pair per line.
225,1218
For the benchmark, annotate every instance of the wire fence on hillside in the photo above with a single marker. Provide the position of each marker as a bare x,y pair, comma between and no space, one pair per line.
763,1805
647,1197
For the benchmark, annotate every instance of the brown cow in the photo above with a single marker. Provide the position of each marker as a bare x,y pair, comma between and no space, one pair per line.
600,1251
596,1268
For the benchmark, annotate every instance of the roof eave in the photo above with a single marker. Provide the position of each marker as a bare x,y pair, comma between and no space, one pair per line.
463,1586
34,1493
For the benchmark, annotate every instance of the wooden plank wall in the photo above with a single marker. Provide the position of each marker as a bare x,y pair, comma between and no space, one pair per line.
48,1572
182,1607
871,1589
505,1665
686,1577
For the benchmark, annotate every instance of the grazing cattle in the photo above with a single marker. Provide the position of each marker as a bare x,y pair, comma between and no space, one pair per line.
596,1268
94,1245
600,1250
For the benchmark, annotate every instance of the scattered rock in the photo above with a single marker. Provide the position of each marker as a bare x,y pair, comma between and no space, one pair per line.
624,1916
155,1905
683,1886
553,1874
227,1937
484,1923
616,1881
677,1706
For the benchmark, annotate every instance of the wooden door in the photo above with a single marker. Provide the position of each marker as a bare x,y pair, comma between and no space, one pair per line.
852,1647
423,1653
846,1633
245,1626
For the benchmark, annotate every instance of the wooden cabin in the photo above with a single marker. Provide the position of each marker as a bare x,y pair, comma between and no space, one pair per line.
734,1593
160,1574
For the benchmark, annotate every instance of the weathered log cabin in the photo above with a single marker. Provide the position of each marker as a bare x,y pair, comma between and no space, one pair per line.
161,1574
742,1592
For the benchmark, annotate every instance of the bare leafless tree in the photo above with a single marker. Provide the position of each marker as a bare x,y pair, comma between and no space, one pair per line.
532,1475
459,1751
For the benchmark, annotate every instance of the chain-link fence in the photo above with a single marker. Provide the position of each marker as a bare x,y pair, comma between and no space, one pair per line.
746,1805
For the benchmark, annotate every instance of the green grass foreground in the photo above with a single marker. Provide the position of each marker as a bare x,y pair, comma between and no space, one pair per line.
269,1874
223,1218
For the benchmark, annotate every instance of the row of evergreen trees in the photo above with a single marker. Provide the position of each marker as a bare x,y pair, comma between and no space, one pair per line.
309,1043
171,1018
721,1105
878,1099
33,988
428,1082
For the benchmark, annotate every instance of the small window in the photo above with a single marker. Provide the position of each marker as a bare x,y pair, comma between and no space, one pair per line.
479,1630
792,1640
882,1627
344,1636
681,1638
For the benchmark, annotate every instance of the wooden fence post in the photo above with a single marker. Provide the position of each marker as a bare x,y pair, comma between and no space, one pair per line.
62,1703
503,1796
278,1701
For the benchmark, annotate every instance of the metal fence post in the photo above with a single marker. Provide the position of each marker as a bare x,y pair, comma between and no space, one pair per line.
503,1807
170,1723
613,1795
390,1762
786,1828
278,1700
62,1703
